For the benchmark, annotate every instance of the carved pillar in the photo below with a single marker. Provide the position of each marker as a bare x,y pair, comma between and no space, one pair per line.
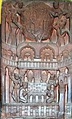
66,93
3,28
69,89
57,81
7,84
3,85
70,79
3,88
57,93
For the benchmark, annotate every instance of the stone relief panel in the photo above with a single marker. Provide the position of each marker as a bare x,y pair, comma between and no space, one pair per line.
35,22
36,56
20,84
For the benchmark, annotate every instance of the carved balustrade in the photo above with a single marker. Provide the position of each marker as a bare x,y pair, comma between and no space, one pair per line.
14,111
36,64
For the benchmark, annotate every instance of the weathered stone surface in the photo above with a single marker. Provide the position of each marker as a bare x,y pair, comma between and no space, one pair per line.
37,21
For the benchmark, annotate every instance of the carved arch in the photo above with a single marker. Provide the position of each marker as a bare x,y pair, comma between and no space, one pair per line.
47,53
65,54
27,53
7,53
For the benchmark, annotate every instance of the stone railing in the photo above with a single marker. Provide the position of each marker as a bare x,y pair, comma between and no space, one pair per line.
34,110
30,111
65,62
9,62
37,64
68,111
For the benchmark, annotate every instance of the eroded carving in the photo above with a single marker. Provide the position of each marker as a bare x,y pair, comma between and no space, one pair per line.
35,22
12,14
37,25
64,55
29,74
16,80
62,32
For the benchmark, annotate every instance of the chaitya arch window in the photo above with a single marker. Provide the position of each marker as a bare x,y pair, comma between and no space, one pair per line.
27,54
47,54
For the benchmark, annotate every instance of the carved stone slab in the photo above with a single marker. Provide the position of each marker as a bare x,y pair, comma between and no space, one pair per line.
36,60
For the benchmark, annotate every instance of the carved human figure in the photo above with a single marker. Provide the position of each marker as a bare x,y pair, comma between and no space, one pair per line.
16,84
51,94
67,79
30,76
53,81
7,15
19,31
56,13
16,21
60,57
48,77
58,73
12,12
23,92
44,76
10,27
62,96
66,70
62,32
25,80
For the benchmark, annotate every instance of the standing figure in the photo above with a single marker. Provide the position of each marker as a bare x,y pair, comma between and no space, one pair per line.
43,76
62,96
63,33
9,13
64,30
13,32
16,85
30,76
67,79
19,32
48,77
